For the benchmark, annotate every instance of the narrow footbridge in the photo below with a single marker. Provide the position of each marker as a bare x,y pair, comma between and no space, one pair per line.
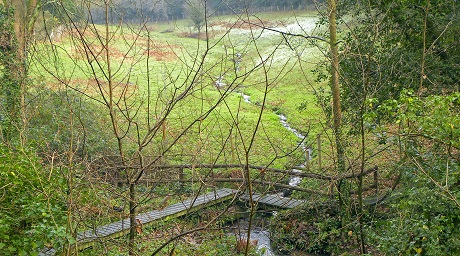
89,238
273,200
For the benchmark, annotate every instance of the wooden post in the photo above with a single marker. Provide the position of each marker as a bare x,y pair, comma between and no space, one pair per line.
318,138
331,188
376,181
307,159
232,146
262,178
181,177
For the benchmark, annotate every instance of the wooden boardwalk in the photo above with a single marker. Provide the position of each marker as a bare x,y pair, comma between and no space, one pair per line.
91,237
274,200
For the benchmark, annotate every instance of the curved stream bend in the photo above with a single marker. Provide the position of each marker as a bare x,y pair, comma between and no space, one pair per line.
295,180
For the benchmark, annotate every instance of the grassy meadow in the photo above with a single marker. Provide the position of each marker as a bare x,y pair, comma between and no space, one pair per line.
153,63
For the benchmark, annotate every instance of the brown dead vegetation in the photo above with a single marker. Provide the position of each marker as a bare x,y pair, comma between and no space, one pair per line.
242,243
94,51
159,51
161,55
95,87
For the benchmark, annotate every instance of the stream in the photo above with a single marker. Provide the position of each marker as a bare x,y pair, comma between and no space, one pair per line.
260,232
295,180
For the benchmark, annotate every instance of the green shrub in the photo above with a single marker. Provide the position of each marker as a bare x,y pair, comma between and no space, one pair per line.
426,219
314,229
66,118
423,223
31,217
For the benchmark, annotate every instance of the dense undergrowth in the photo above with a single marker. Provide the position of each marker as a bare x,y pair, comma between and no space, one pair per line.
33,213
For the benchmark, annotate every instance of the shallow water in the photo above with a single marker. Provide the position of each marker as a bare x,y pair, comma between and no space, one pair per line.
259,233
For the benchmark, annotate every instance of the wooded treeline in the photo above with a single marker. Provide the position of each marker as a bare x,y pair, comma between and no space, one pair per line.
138,11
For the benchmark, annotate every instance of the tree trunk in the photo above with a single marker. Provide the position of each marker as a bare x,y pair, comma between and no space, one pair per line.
132,218
337,113
15,87
335,86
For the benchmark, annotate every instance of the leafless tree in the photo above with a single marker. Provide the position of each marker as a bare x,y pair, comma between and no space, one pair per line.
163,103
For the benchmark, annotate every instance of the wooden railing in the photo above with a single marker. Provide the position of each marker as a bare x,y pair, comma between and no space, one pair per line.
179,177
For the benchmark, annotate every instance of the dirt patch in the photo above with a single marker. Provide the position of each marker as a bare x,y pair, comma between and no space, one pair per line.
95,52
276,103
95,87
161,55
160,51
157,50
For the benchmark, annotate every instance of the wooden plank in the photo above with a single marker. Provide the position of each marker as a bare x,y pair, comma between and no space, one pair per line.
269,199
274,200
89,238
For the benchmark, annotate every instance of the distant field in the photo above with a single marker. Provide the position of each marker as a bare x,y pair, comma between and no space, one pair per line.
153,62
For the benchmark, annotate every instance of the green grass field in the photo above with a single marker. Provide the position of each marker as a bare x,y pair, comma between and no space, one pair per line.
151,65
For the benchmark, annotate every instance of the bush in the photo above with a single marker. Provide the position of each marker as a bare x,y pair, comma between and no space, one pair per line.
314,229
426,219
424,223
31,218
67,118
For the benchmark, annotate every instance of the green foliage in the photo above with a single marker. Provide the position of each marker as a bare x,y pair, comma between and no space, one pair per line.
385,50
215,243
423,222
62,119
63,10
196,12
44,26
434,118
9,81
315,229
31,217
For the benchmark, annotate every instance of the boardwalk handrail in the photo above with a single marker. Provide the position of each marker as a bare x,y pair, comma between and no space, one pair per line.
112,160
263,169
256,167
333,179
